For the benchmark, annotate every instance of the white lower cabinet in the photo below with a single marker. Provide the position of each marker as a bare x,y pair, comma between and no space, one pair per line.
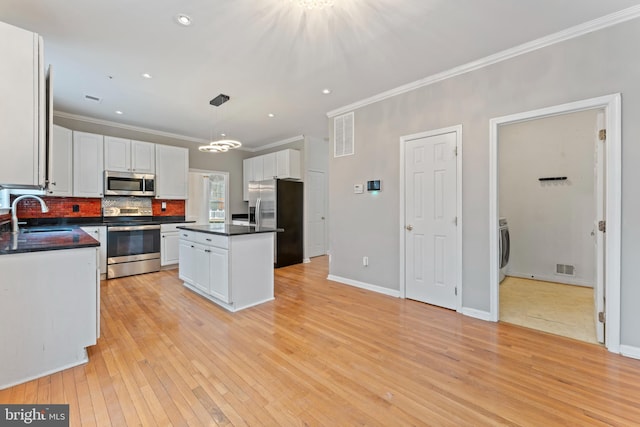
100,234
219,273
205,267
169,244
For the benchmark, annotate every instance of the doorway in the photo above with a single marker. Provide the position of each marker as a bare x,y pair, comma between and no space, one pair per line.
317,213
608,263
547,179
431,206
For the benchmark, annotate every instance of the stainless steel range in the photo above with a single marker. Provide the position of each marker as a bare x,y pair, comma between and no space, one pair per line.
133,241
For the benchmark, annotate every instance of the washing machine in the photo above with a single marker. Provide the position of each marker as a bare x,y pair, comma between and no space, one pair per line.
504,246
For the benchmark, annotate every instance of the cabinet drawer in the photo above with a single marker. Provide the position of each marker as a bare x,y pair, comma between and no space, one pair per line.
212,240
187,235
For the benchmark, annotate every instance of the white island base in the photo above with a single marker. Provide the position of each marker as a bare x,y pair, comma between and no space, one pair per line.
234,271
49,310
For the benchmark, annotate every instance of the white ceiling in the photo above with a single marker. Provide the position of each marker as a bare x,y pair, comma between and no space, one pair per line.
270,56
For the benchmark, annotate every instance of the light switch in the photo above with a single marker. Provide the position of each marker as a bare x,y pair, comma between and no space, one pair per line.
358,188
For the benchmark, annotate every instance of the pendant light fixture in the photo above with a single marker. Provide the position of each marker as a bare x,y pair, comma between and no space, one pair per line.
220,145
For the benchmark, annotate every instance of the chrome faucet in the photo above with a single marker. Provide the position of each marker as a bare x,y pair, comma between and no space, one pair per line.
14,217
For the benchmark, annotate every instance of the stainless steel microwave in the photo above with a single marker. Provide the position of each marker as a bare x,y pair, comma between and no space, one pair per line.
129,184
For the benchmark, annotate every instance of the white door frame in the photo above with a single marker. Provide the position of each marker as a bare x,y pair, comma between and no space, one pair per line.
403,142
612,106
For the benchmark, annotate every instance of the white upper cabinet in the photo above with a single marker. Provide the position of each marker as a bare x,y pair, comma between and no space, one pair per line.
125,155
60,162
22,108
172,172
284,164
247,176
269,166
117,154
288,164
143,157
87,164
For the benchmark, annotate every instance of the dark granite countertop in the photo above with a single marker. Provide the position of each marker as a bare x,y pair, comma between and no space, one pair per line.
103,221
229,229
23,242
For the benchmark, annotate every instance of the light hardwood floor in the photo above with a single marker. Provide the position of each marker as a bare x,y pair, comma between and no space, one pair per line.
328,354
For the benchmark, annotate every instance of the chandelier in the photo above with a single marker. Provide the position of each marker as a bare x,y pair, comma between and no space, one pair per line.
220,145
315,4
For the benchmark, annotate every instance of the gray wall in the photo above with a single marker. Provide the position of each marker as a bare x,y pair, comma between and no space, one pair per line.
595,64
550,222
224,162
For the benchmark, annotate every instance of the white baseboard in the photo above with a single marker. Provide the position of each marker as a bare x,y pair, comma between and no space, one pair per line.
306,260
567,280
630,351
363,285
478,314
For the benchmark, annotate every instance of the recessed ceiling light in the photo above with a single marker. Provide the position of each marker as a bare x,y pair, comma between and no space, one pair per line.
326,91
183,19
271,115
146,75
119,112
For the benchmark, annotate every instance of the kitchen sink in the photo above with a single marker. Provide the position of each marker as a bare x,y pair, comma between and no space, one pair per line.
46,230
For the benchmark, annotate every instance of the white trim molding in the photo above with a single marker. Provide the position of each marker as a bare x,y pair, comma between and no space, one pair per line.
567,34
477,314
363,285
457,129
630,351
611,104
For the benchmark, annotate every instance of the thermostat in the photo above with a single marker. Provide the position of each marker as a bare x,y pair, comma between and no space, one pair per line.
358,188
374,185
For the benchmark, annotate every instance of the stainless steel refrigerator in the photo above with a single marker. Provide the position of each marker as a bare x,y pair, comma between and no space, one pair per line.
278,203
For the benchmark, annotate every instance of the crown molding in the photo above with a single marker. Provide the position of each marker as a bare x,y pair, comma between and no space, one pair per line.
95,121
567,34
279,143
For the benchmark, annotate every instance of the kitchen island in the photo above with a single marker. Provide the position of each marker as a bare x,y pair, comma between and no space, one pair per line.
49,302
231,265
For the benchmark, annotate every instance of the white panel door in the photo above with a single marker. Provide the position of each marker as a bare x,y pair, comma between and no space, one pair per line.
430,220
317,214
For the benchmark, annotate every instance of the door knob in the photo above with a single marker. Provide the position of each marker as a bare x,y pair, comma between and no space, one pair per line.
409,227
322,218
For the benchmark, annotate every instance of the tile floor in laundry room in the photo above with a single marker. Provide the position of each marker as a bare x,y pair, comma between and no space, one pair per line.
556,308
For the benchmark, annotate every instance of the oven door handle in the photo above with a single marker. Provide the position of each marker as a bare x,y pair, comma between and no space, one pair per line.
134,228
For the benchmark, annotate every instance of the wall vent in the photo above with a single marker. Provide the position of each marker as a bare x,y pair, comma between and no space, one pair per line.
343,133
565,269
93,98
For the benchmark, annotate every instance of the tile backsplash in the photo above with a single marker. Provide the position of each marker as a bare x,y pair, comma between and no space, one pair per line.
60,207
78,207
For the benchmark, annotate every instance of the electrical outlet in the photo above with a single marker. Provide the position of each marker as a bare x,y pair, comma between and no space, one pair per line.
365,261
76,208
164,206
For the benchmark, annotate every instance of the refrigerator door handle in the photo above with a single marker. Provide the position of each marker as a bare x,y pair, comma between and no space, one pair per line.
257,212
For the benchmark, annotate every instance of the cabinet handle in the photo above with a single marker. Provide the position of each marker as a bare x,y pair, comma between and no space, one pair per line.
208,240
191,245
184,235
207,250
53,183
